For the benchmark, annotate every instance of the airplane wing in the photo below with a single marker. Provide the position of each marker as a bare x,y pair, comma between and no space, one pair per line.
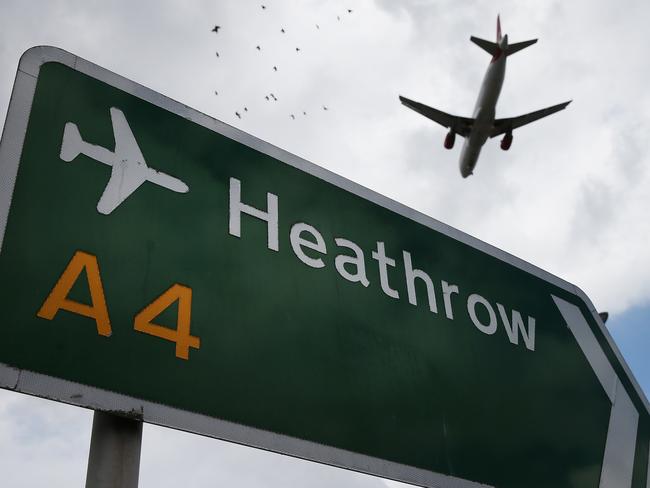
126,147
460,125
501,126
126,177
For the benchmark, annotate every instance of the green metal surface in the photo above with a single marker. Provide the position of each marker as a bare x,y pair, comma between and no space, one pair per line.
284,347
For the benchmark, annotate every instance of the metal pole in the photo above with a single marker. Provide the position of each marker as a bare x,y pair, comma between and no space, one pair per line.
114,459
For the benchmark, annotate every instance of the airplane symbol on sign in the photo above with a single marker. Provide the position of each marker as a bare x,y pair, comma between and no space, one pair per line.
129,169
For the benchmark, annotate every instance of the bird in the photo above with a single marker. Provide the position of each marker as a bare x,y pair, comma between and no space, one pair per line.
282,30
216,28
349,10
263,7
217,53
275,68
258,48
304,113
293,117
324,107
297,49
245,109
267,98
238,114
216,92
338,18
273,97
317,26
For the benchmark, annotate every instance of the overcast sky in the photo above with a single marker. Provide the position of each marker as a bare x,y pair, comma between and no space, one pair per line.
571,196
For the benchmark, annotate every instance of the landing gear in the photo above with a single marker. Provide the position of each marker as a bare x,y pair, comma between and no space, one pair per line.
506,142
450,139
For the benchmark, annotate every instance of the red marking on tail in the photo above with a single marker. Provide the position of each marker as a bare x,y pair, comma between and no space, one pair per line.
498,28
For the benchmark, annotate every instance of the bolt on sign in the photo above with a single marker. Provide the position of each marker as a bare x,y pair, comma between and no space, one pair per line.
160,264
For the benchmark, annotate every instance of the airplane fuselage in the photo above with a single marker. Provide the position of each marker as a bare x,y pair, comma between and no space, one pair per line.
484,113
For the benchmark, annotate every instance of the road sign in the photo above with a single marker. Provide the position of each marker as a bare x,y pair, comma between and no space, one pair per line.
162,265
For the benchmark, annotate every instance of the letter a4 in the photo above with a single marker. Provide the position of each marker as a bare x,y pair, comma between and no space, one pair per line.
58,297
181,335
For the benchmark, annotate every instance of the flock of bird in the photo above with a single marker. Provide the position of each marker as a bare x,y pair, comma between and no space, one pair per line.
270,96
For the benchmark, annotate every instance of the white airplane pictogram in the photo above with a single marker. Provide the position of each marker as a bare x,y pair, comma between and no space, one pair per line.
129,169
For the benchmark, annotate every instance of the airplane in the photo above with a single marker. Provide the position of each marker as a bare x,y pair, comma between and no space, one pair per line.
483,124
129,169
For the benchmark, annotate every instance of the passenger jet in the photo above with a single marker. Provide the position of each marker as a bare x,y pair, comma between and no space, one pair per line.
483,124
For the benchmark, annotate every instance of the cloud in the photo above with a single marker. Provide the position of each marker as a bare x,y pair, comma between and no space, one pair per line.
43,443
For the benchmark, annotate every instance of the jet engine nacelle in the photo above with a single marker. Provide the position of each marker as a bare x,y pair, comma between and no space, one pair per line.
450,139
506,142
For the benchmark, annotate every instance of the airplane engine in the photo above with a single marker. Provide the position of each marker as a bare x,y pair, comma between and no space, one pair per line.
450,139
506,142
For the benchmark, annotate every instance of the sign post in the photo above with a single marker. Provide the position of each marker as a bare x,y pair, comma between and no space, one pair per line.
160,265
114,458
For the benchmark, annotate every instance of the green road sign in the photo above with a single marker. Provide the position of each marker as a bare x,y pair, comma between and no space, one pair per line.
163,265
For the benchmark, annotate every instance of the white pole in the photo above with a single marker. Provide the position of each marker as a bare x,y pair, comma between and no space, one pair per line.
114,458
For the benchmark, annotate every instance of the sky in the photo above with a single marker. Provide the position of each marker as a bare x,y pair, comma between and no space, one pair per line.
570,196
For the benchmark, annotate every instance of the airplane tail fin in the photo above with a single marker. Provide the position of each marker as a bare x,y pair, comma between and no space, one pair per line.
495,48
487,46
518,46
72,142
498,28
